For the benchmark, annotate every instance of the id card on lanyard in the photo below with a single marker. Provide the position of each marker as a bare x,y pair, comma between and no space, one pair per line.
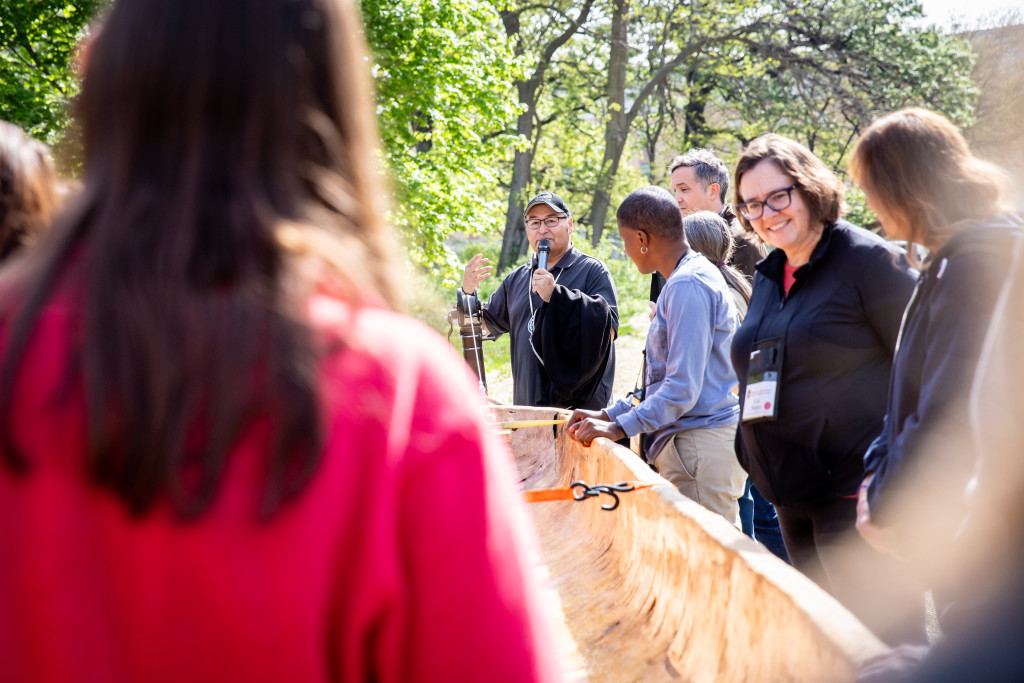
760,400
761,397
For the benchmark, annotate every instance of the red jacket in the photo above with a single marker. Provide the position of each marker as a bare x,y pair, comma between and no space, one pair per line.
403,560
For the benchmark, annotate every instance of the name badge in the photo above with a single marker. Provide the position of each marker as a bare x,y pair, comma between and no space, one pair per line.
761,397
759,401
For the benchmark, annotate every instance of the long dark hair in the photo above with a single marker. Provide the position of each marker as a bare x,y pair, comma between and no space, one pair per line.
230,171
709,234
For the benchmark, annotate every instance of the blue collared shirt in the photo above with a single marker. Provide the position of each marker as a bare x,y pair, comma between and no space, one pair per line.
689,377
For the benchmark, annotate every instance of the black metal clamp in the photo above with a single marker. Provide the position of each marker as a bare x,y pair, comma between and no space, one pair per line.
590,491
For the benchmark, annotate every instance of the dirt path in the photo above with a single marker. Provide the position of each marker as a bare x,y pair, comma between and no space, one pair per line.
629,355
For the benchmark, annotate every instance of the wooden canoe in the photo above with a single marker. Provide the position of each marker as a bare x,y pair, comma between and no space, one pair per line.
660,589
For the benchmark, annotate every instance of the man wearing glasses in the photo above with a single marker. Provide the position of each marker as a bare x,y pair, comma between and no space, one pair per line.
562,320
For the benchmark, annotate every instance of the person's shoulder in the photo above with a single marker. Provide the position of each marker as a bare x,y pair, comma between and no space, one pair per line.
857,243
381,341
696,274
994,237
845,232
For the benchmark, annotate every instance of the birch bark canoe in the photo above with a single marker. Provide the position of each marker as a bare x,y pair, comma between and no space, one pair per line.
661,589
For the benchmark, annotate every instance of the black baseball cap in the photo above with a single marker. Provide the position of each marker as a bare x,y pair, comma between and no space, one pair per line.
552,200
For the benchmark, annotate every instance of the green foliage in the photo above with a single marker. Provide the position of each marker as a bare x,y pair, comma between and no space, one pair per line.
859,213
444,73
37,41
821,70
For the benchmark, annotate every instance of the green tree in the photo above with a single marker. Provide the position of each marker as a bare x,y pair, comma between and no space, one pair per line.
444,74
37,41
817,70
537,33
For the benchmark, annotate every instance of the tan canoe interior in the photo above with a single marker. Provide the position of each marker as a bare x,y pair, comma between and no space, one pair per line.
661,589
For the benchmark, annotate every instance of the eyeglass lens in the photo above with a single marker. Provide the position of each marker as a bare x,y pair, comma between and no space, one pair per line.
776,201
550,221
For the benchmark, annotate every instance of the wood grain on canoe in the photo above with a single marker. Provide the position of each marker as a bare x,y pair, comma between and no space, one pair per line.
661,589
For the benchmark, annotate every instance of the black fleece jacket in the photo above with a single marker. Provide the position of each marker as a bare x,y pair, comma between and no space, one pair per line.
839,322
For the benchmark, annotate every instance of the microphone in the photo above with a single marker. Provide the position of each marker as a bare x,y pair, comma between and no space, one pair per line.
543,248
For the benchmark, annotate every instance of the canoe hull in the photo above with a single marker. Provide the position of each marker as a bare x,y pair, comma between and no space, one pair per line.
663,589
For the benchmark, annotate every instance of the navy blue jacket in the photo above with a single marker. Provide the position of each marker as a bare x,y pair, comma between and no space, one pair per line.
940,343
840,323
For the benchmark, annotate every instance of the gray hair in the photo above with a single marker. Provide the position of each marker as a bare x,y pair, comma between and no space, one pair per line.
709,168
707,233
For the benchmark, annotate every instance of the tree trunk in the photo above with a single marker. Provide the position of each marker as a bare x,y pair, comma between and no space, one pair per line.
513,241
617,127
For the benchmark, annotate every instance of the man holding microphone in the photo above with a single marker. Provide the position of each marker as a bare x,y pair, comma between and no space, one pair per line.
560,312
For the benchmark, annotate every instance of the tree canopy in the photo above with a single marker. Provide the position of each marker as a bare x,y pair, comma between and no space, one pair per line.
443,72
37,42
481,103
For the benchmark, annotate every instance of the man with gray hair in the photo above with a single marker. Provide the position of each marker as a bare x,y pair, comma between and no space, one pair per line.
700,181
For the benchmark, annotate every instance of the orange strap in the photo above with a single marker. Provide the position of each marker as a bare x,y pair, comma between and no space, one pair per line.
579,490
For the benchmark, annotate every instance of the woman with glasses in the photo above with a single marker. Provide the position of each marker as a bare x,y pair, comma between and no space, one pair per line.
223,457
813,357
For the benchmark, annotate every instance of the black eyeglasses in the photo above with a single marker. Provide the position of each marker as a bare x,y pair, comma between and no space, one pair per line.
776,201
550,221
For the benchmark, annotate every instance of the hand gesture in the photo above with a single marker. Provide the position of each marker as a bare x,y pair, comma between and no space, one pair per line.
884,539
476,271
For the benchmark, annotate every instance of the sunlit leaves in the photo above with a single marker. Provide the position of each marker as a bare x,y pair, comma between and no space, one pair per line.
37,40
444,73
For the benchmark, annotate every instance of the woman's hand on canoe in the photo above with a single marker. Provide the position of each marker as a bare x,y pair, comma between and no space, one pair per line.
587,425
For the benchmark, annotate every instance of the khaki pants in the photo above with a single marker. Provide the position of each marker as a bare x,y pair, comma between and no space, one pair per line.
702,464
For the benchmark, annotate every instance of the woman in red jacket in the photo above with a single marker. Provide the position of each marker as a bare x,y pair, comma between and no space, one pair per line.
222,456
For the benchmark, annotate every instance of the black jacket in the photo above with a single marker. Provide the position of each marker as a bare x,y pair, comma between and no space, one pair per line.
940,343
511,307
840,323
573,337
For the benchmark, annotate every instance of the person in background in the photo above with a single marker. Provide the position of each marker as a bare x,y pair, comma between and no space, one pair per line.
700,181
29,191
813,357
223,457
562,320
707,233
688,412
926,187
